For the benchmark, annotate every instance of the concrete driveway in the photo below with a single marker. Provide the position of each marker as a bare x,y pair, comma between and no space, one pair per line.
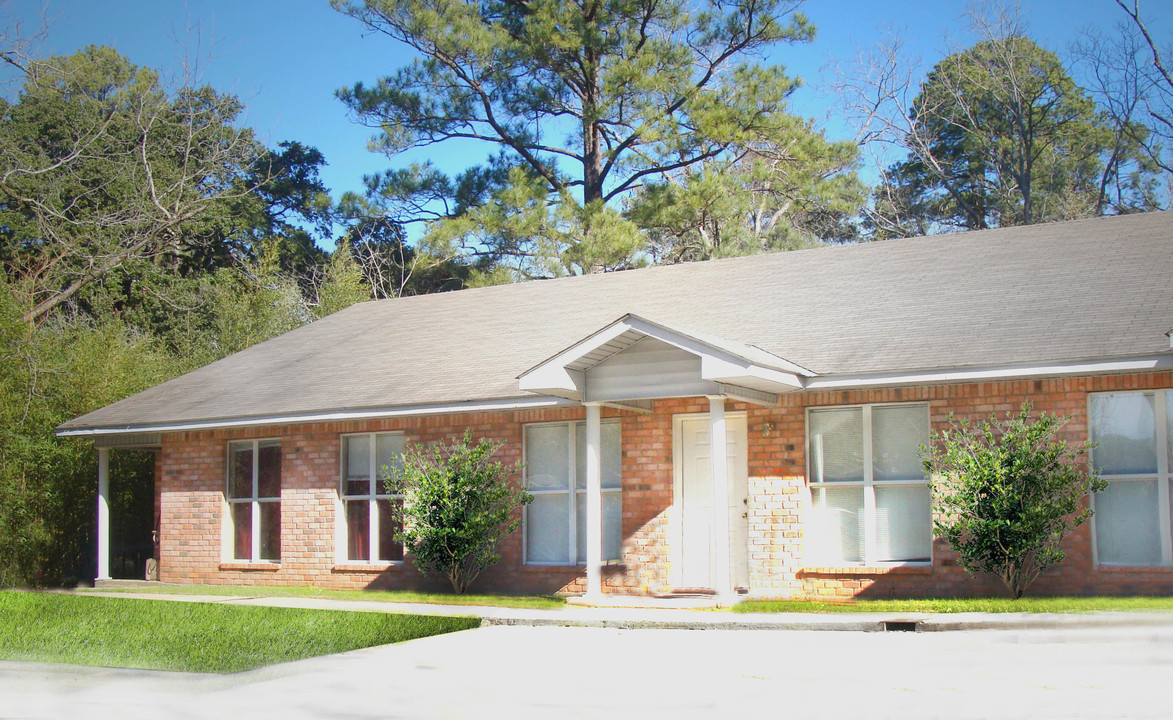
544,672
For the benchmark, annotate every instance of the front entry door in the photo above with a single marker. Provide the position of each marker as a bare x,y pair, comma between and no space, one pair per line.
694,501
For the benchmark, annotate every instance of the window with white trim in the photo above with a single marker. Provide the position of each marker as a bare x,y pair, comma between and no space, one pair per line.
870,499
1134,452
370,525
555,474
254,499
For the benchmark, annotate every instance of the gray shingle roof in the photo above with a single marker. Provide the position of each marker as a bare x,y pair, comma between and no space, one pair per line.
1046,293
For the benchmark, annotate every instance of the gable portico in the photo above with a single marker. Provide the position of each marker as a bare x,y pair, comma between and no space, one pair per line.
629,364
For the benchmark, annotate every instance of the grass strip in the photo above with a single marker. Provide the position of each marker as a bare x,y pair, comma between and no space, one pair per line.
195,637
963,605
549,602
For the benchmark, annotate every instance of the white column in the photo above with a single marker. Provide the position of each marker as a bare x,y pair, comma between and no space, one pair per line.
103,513
594,500
719,472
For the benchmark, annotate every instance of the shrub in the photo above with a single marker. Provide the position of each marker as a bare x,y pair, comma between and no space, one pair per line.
1007,492
458,505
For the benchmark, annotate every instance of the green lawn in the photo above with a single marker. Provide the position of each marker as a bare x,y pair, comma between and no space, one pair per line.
987,605
393,596
197,637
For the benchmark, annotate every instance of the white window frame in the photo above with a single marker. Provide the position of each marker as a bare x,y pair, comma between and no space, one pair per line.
573,491
868,484
253,499
373,496
1163,477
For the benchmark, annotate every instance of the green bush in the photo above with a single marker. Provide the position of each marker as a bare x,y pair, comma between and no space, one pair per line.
458,505
1007,492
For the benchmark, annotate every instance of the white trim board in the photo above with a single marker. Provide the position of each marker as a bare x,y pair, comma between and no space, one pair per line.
994,372
339,416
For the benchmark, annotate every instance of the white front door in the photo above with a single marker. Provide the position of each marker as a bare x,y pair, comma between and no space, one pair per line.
693,496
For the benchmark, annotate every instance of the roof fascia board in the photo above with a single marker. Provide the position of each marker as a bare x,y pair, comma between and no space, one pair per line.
550,378
403,411
582,347
719,370
749,395
996,372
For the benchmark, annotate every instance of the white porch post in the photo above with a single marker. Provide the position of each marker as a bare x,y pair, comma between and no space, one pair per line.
594,502
103,513
719,472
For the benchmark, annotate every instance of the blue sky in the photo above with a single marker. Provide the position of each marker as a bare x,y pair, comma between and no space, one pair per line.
285,58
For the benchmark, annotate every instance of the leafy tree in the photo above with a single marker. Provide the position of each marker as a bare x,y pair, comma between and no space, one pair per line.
50,373
1005,137
343,284
101,169
390,265
998,134
585,101
458,505
1007,492
108,180
766,200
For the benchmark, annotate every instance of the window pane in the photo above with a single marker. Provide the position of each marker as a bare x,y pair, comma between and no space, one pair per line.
612,526
835,445
388,457
1127,524
835,533
1124,426
242,531
389,549
358,465
547,529
546,456
897,435
612,464
270,530
1169,428
358,529
269,469
240,470
904,523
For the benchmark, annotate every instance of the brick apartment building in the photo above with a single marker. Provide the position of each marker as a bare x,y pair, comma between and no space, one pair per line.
744,426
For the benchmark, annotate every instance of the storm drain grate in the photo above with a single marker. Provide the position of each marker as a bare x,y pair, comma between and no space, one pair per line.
899,626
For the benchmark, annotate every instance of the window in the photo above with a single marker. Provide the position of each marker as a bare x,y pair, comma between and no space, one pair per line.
254,499
555,471
869,494
1133,453
370,526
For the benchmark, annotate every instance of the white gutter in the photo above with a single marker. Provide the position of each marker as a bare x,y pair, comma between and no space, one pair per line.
339,416
996,372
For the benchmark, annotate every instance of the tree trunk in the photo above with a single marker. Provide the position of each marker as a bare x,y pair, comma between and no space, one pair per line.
592,140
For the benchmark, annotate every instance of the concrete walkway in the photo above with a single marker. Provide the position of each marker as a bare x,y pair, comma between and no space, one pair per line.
581,672
686,615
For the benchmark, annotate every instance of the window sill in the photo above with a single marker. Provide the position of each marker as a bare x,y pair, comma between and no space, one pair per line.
246,566
608,566
360,567
1142,569
920,568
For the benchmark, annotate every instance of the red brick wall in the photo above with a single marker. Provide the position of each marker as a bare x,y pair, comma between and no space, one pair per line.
192,478
788,576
